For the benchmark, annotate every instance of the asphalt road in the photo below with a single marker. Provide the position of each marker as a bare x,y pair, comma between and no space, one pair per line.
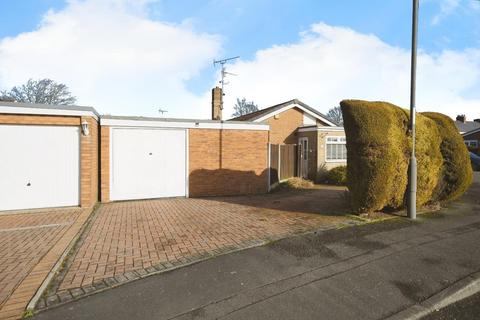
466,309
364,272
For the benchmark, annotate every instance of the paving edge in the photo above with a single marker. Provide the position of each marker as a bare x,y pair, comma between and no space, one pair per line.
131,276
460,290
46,282
107,284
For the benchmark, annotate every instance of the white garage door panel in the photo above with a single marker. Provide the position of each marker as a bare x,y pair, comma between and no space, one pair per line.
39,166
147,163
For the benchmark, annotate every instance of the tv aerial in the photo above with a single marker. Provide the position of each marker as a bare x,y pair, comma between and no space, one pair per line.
162,111
224,72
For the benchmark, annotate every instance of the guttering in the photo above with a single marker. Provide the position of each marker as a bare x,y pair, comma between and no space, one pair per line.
182,123
46,110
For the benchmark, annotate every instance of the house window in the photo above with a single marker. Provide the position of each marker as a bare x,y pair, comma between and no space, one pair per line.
336,149
472,143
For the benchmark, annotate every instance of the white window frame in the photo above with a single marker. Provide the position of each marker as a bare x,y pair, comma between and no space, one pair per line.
338,142
471,143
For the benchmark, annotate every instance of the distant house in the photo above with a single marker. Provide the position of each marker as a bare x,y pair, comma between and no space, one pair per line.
470,131
472,140
321,142
464,126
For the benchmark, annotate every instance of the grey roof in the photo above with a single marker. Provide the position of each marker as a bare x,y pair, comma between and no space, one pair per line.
135,118
260,113
467,126
47,106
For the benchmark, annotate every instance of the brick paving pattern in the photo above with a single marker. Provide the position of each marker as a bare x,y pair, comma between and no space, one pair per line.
138,235
24,239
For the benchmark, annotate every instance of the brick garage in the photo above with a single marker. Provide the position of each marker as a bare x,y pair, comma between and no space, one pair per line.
32,133
217,158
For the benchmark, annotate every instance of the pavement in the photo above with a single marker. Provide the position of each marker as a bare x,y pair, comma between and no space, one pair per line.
371,271
466,309
31,242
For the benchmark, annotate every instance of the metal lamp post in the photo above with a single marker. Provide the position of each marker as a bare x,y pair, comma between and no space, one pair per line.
412,170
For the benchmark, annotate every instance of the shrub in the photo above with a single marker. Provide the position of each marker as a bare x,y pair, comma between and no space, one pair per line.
337,175
456,176
429,159
377,154
378,150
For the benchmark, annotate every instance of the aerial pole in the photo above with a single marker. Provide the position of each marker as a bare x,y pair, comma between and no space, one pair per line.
224,73
412,170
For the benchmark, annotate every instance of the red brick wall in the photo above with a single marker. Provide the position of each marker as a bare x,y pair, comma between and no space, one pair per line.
282,129
88,149
104,163
227,162
89,164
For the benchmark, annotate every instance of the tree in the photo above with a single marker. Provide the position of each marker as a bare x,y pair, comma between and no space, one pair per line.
243,107
335,115
40,91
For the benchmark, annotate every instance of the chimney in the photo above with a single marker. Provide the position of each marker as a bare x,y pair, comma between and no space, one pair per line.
217,106
462,118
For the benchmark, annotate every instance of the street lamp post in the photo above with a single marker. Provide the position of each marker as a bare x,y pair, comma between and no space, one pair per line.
412,172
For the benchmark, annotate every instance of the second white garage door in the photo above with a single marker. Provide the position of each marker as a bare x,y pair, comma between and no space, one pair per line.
147,163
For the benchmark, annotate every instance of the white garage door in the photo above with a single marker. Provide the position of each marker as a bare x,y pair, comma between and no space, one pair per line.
39,166
147,163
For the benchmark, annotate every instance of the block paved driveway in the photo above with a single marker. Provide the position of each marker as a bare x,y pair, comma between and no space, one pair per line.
25,238
134,235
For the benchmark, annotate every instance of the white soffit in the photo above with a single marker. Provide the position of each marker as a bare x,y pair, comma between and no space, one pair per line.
335,129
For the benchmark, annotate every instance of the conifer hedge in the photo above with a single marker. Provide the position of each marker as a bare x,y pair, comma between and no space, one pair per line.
378,151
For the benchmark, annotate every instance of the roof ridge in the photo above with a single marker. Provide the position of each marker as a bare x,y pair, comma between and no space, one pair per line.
252,116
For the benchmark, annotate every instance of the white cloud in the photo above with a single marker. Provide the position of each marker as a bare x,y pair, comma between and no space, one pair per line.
330,64
114,57
447,7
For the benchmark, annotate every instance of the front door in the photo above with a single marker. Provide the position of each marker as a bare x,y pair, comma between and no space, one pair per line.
303,158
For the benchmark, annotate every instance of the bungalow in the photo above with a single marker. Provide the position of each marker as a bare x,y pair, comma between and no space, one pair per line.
321,142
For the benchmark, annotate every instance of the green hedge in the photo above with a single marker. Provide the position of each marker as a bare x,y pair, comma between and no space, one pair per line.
456,175
378,150
337,175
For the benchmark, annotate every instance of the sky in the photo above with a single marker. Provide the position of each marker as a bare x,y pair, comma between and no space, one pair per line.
133,57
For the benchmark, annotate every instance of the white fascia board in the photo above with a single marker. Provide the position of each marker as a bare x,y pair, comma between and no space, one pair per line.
294,105
335,129
330,129
184,124
48,112
464,134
